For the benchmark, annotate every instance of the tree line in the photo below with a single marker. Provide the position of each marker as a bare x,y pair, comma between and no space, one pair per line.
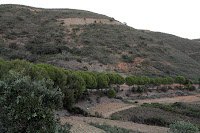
36,88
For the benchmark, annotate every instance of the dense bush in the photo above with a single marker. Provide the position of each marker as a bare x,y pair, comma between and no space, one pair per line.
156,121
27,106
111,93
183,127
68,99
77,110
164,89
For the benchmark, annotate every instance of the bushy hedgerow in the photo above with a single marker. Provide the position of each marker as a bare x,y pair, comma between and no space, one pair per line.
27,105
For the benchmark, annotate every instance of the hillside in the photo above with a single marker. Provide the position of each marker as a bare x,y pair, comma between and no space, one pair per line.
82,40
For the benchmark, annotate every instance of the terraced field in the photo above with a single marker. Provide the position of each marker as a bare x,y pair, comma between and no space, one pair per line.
80,125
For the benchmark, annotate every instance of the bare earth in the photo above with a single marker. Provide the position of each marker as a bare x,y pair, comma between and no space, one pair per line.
80,123
83,21
106,109
79,126
193,98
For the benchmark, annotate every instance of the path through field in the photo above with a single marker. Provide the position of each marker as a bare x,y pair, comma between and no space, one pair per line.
77,121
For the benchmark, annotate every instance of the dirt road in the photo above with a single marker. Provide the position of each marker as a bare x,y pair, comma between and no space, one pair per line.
192,98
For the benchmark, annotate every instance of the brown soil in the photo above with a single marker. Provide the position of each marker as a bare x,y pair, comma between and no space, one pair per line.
83,21
127,125
106,109
193,98
79,126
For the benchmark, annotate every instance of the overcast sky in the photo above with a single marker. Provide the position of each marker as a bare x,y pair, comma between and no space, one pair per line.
178,17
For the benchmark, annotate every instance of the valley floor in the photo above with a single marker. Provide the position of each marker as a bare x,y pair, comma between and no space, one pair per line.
81,124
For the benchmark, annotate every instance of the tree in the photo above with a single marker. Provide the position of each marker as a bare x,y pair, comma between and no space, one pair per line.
102,80
27,105
164,81
90,80
146,80
119,79
180,79
170,80
111,93
112,78
158,81
135,80
129,81
140,81
28,69
152,82
76,83
56,74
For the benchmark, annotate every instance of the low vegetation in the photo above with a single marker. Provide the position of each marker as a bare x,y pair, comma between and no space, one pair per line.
183,127
160,114
39,35
112,129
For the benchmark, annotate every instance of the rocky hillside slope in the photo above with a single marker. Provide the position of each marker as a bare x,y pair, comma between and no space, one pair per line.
82,40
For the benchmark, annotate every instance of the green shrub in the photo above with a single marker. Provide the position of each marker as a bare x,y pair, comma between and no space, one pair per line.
134,89
111,93
183,127
27,105
111,129
77,110
140,89
192,88
13,45
156,121
164,89
99,115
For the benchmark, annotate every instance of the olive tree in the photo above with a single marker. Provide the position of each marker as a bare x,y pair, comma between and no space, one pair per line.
27,105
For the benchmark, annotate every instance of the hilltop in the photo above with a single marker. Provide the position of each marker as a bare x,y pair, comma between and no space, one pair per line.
83,40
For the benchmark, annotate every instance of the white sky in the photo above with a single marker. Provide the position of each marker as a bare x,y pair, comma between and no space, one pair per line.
178,17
